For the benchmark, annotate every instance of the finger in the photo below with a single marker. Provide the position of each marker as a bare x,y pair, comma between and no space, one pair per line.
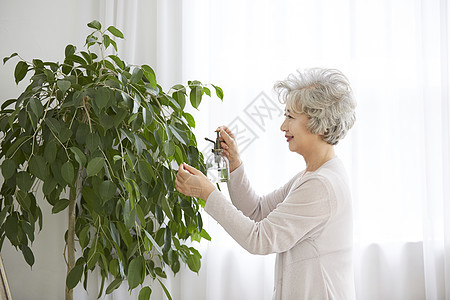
221,127
178,186
185,168
183,175
226,154
190,169
226,137
226,129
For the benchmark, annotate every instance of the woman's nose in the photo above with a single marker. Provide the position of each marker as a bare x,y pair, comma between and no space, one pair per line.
283,126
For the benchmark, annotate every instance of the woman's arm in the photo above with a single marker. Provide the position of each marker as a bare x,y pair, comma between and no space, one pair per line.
246,200
304,212
241,192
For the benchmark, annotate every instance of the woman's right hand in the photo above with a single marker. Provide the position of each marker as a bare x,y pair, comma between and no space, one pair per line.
230,149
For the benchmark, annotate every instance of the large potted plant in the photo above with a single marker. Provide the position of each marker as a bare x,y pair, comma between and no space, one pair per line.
99,138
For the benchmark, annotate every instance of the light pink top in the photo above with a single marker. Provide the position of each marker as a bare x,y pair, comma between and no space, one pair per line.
307,222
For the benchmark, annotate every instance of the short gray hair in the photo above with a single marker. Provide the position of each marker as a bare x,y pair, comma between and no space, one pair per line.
325,96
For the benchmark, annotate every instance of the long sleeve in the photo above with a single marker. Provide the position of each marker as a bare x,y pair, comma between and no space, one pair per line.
246,200
307,222
303,213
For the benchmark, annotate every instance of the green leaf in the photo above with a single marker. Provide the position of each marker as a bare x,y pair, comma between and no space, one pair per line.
166,208
20,71
116,32
8,168
68,172
194,262
195,96
36,107
8,103
148,115
23,199
205,235
79,156
11,227
154,243
167,239
199,222
69,50
190,119
93,255
102,97
63,85
145,293
114,285
150,75
107,190
180,98
146,171
50,151
23,180
178,155
50,75
9,57
53,124
129,214
29,231
28,255
106,40
95,24
117,60
60,205
74,276
135,275
169,148
87,57
219,91
179,134
94,166
206,91
16,144
136,76
64,134
3,213
165,290
77,59
83,236
92,141
124,233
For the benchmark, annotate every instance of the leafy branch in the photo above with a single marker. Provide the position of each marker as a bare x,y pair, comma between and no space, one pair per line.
105,133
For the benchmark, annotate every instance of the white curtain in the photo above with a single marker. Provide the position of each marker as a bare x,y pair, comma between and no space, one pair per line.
395,53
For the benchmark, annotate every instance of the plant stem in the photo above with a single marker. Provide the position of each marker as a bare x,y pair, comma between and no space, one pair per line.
75,193
71,239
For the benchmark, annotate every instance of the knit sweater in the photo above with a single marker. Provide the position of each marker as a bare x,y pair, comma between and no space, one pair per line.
307,222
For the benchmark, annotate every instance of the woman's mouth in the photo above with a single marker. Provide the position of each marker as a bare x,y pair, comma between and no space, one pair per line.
288,138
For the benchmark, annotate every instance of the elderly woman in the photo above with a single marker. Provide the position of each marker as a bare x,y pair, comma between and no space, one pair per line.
308,221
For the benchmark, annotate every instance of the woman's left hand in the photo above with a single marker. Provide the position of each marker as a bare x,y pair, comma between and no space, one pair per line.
193,183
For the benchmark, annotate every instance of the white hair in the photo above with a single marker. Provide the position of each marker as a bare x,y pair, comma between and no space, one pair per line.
325,96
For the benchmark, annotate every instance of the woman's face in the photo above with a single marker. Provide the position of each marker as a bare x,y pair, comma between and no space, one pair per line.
297,135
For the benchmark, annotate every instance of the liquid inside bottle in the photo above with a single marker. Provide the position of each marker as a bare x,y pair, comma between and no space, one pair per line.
218,172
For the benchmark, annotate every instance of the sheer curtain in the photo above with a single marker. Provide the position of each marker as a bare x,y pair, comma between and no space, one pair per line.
395,54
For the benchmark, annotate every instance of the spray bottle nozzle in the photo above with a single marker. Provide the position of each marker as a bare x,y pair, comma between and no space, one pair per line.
216,143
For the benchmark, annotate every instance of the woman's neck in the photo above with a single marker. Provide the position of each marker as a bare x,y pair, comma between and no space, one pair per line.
320,155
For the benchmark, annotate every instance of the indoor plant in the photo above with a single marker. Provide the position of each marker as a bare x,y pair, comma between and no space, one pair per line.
100,139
